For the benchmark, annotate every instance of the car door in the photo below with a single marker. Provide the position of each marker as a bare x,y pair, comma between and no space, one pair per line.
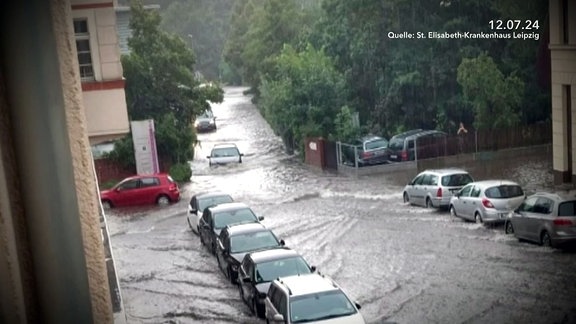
245,279
204,226
417,193
149,190
222,246
127,194
540,214
460,202
473,202
520,219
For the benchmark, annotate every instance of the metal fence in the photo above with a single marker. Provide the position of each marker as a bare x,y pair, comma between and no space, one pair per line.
474,141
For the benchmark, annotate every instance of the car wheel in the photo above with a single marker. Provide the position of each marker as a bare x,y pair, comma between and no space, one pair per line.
453,212
509,228
406,198
478,218
163,200
428,203
230,277
545,239
189,224
106,204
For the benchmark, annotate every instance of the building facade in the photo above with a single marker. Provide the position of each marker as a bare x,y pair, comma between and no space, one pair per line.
97,43
562,15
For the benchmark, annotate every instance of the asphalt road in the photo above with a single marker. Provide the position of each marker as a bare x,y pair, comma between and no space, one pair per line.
403,264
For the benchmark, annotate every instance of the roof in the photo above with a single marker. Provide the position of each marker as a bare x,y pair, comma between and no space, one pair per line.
209,194
446,171
246,228
555,196
497,182
274,254
408,133
372,138
425,132
228,206
307,284
224,145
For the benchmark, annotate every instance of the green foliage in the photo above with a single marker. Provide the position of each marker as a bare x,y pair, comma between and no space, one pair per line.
302,95
203,24
346,129
181,172
160,85
123,153
495,98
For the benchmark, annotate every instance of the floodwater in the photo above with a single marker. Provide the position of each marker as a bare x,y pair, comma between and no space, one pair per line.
403,264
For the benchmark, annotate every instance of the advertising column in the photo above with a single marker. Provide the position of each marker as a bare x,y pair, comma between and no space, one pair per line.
144,139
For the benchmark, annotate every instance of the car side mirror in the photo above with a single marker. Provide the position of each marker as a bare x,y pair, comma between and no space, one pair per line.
282,243
357,305
278,318
260,218
193,211
246,279
118,189
241,154
313,268
208,156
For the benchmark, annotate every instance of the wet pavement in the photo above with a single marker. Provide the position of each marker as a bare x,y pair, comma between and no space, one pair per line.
403,264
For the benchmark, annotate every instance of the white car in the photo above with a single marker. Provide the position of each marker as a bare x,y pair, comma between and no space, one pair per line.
488,201
224,154
309,298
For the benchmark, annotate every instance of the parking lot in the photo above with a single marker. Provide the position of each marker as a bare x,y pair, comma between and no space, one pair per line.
403,264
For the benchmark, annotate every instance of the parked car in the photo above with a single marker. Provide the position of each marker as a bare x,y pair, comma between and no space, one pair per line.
367,150
417,142
434,188
224,154
140,190
199,202
544,218
311,298
258,269
216,218
235,241
487,201
206,121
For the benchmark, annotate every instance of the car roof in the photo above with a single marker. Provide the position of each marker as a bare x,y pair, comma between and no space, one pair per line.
140,176
224,145
368,138
446,171
246,228
561,197
228,206
305,284
209,194
407,133
274,254
425,132
491,183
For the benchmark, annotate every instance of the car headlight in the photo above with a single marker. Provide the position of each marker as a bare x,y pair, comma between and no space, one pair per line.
196,123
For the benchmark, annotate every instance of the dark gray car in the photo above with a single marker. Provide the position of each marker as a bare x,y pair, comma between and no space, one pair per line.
545,218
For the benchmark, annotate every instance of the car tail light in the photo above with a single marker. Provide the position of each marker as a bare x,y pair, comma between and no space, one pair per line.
563,222
173,187
366,154
404,155
486,203
439,193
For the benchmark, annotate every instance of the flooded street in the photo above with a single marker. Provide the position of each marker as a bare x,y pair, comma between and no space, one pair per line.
403,264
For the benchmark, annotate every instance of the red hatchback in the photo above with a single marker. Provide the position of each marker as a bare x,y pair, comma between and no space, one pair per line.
140,190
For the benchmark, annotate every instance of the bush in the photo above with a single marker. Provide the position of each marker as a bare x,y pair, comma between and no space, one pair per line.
181,172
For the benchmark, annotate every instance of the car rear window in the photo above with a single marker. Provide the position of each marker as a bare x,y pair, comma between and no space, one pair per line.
456,180
504,191
567,208
223,152
381,143
396,144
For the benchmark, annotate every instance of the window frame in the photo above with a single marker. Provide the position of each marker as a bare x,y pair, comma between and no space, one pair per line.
84,37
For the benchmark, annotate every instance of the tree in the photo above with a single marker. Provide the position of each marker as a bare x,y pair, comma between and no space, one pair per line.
495,98
302,95
160,84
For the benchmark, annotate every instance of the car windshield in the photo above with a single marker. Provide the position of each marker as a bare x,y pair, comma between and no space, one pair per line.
268,271
504,191
253,241
211,201
206,114
232,217
381,143
396,143
225,151
456,180
320,306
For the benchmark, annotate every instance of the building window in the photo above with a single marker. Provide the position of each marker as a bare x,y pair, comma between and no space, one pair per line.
565,22
83,47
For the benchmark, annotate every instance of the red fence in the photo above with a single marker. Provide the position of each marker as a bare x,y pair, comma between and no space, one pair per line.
108,170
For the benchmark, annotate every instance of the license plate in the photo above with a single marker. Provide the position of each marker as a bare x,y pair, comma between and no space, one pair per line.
393,156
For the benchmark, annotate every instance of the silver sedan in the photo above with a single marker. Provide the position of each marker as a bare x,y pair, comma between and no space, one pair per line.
486,201
544,218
